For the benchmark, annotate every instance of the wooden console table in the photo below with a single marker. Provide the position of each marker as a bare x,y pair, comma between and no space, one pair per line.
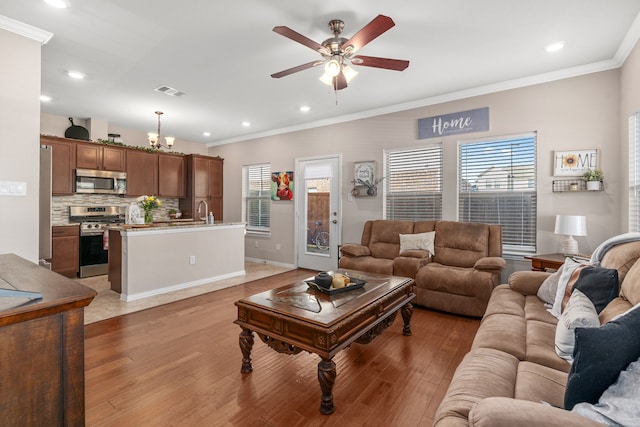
41,346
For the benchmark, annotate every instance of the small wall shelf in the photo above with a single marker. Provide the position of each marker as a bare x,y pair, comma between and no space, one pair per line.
573,185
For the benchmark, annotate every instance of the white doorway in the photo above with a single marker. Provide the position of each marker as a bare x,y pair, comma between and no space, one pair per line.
318,212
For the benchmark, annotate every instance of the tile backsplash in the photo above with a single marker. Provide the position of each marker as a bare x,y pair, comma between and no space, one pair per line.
60,205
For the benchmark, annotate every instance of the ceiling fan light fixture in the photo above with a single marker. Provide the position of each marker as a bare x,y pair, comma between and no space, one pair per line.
332,67
327,79
349,73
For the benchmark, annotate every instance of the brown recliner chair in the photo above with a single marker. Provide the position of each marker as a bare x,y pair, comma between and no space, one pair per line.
464,270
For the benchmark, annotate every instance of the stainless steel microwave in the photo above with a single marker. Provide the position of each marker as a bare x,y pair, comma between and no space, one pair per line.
100,182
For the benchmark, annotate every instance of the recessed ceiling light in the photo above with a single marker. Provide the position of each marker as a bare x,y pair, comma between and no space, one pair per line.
76,75
246,124
45,98
206,133
305,108
555,46
60,4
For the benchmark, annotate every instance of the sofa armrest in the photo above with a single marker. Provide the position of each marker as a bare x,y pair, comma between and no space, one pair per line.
527,282
506,412
415,253
355,250
490,263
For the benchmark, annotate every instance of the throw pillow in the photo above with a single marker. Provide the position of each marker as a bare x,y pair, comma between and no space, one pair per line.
567,278
599,284
618,405
580,312
547,291
421,241
600,355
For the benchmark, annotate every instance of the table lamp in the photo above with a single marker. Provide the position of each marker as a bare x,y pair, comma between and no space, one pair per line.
569,226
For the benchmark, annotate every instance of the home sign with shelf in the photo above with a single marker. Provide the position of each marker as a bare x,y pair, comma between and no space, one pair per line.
574,185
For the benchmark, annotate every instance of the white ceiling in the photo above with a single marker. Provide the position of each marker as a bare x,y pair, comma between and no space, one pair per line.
221,54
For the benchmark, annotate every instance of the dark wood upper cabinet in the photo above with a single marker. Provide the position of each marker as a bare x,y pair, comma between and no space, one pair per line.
99,156
63,154
142,173
204,183
171,175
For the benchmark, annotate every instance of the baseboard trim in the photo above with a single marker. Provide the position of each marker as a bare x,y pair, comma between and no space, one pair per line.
141,295
265,261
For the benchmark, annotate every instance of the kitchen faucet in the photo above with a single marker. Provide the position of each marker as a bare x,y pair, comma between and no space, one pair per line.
206,210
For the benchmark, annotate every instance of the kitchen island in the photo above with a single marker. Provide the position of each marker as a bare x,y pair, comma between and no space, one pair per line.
152,259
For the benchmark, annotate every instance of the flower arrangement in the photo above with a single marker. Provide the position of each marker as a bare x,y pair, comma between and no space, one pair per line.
149,203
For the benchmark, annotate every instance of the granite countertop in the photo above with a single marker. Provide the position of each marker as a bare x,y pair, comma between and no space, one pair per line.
171,224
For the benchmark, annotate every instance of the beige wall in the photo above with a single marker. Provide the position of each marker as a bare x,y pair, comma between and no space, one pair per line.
19,142
54,125
574,113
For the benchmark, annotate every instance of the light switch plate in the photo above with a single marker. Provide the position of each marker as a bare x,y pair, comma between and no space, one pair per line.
13,188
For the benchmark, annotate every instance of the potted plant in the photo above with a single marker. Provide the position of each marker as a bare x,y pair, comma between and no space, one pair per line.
593,177
172,213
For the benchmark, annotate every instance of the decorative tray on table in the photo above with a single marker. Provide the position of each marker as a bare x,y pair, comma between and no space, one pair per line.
355,284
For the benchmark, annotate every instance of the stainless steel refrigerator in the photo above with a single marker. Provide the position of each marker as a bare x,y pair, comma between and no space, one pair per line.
45,206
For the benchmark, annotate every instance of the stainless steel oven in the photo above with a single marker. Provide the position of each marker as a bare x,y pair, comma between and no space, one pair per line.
94,252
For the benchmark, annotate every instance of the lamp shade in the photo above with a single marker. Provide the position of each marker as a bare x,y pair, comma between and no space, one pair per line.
571,225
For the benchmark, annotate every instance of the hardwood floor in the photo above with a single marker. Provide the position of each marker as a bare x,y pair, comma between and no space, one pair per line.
179,365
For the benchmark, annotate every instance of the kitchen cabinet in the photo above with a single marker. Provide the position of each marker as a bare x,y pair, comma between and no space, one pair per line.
171,175
204,183
65,255
100,156
142,173
63,154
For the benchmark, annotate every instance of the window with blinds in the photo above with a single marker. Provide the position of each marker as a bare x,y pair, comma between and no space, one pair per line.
634,173
413,184
256,193
497,185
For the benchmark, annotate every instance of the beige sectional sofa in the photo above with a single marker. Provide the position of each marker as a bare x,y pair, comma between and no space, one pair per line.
456,265
512,367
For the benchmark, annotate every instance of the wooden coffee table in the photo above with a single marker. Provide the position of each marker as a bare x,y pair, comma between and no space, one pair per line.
295,317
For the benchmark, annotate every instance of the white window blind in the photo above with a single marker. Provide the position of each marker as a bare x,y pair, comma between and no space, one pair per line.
413,184
497,185
634,173
256,192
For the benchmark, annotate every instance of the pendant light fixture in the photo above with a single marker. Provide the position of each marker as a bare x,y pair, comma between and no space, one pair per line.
154,138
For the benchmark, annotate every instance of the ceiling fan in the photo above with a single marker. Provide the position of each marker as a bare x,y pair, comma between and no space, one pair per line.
337,52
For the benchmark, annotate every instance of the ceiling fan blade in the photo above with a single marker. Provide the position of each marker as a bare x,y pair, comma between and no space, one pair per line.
386,63
304,40
340,81
296,69
373,29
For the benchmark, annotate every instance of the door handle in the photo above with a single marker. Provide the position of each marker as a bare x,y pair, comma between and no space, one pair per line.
335,221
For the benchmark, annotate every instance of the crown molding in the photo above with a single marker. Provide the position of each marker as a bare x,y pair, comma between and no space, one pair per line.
629,41
434,100
25,30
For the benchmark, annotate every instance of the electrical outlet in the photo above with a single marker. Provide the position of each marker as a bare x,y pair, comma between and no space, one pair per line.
192,259
257,245
278,246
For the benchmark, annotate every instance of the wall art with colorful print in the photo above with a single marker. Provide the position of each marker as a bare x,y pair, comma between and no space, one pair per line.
282,185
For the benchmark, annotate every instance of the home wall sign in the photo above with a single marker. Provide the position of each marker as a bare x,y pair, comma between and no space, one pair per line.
574,162
450,124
